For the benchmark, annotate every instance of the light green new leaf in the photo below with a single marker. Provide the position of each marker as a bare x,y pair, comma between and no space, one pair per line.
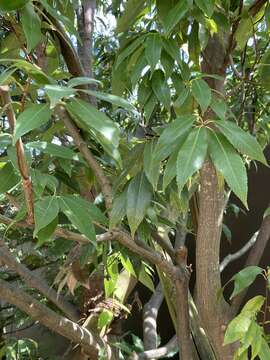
57,93
175,15
253,306
264,352
202,93
31,25
242,140
132,10
191,156
153,46
173,134
45,211
8,177
31,118
139,196
229,164
161,88
207,6
9,5
78,215
118,210
244,278
236,329
151,166
92,118
253,338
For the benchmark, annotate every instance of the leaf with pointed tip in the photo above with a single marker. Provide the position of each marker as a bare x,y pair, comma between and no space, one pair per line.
8,177
244,278
175,15
139,196
207,6
161,88
241,140
129,49
151,166
31,25
57,93
229,164
170,169
132,10
191,156
153,46
118,210
202,93
45,211
31,118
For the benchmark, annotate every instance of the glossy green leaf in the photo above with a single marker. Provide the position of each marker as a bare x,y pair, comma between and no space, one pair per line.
171,136
31,25
207,6
9,5
244,278
191,156
76,211
170,169
241,140
45,211
229,164
82,81
54,150
202,93
93,118
153,46
175,15
57,93
32,118
139,196
161,88
118,210
132,10
8,177
219,106
264,352
236,329
151,166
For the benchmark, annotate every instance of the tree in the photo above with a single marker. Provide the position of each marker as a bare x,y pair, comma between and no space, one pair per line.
117,176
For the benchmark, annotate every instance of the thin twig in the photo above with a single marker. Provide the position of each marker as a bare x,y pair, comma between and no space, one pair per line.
159,353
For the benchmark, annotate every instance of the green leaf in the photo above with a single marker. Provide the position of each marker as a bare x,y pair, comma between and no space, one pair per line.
175,15
172,136
153,46
54,150
229,164
105,318
244,278
202,93
76,211
32,118
253,338
8,177
45,234
57,93
219,107
236,329
93,118
206,6
45,211
264,353
132,10
241,140
161,88
129,49
139,196
151,166
113,99
244,31
5,75
253,305
170,169
77,81
118,210
9,5
191,156
146,279
31,25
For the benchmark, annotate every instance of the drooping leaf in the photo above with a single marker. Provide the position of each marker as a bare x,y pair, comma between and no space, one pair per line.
236,329
8,177
201,93
153,46
45,234
118,210
244,278
191,156
241,140
139,196
32,118
229,164
175,15
161,88
92,118
170,137
206,6
151,166
132,10
78,215
264,352
31,26
9,5
57,93
45,211
170,169
78,81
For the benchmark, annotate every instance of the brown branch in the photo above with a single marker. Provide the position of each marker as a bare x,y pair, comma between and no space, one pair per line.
47,317
34,281
84,150
22,163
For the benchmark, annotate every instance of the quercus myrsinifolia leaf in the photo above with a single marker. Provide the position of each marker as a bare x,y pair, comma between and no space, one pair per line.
151,166
172,136
201,92
132,10
8,177
244,278
31,118
170,169
9,5
76,210
229,163
175,15
91,118
206,6
45,211
31,25
161,88
57,93
191,156
118,210
139,195
153,47
241,140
